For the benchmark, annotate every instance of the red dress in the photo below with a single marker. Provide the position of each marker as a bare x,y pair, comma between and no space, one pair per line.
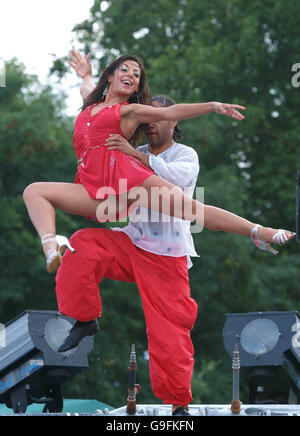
99,167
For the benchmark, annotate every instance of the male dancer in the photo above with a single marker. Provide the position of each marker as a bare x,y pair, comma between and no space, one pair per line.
154,255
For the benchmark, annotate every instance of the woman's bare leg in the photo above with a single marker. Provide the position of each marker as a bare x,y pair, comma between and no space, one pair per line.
182,206
43,198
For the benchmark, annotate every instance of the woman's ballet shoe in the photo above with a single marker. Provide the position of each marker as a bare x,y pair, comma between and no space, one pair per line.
280,238
54,256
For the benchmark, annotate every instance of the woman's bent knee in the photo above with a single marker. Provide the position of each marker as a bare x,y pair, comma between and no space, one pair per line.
34,190
30,191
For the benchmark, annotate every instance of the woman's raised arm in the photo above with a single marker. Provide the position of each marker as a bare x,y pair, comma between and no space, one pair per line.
83,67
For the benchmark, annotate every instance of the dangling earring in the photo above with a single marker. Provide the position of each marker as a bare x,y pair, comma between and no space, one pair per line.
137,96
105,92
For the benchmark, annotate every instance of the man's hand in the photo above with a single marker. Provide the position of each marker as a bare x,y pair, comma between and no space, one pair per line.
118,142
229,109
81,65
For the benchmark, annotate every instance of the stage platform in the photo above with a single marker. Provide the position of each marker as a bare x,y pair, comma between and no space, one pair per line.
195,410
211,410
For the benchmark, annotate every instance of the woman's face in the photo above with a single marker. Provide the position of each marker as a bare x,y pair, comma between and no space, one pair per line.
126,78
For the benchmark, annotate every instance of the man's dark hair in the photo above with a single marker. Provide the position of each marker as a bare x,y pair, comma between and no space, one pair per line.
165,101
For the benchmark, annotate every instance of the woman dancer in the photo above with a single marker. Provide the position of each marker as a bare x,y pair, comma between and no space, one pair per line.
118,104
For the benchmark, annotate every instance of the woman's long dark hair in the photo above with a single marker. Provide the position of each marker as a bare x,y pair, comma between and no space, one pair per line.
165,101
141,97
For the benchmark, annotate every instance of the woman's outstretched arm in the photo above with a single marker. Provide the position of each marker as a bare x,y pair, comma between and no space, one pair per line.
147,114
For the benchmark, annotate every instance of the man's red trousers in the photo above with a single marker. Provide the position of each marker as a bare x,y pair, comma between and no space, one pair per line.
164,288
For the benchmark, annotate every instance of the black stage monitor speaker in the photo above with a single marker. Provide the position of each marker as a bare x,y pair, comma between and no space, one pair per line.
269,347
31,369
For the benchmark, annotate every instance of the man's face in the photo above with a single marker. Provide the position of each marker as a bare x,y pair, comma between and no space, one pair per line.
160,132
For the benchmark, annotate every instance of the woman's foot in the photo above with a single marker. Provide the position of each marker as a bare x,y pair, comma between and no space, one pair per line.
264,236
53,246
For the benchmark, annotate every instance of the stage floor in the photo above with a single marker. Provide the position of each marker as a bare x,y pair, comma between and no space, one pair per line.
212,410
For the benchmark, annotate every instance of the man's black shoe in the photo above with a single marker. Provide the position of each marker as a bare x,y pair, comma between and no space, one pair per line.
180,411
79,331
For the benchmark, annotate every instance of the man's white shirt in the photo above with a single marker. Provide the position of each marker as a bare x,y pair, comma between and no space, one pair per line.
158,233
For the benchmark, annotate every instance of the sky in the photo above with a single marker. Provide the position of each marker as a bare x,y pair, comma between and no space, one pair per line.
32,30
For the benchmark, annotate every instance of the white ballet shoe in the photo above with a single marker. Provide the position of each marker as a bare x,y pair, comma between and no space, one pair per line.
280,238
54,256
